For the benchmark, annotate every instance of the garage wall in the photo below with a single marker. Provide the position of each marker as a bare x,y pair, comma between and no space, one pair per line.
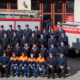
77,10
27,4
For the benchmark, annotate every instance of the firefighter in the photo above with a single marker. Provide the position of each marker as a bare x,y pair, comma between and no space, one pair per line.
52,39
1,31
51,63
1,50
17,49
27,32
61,65
5,64
64,38
23,62
23,40
31,65
37,32
62,49
14,64
44,51
41,65
10,31
4,40
60,30
33,40
45,33
53,49
52,32
34,50
19,31
42,40
14,39
26,49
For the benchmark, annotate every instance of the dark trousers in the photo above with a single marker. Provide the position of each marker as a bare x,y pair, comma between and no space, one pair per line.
6,70
61,72
50,71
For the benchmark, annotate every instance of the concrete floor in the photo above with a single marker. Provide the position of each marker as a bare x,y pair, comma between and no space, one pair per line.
73,73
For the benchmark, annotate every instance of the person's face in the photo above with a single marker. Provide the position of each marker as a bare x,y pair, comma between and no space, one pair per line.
23,36
10,28
2,28
4,54
50,54
36,29
27,28
32,55
17,44
51,29
60,27
62,43
41,35
34,45
62,34
61,55
8,46
14,33
44,30
18,27
5,35
33,34
14,55
26,45
52,45
23,54
40,56
52,36
42,46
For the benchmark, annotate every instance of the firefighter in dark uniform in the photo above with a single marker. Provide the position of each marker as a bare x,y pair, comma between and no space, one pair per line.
53,49
19,31
34,50
44,51
26,50
23,40
33,40
1,50
17,49
61,65
42,40
27,32
52,39
1,31
62,49
64,38
4,41
37,32
5,64
45,33
52,32
10,31
60,30
50,62
14,39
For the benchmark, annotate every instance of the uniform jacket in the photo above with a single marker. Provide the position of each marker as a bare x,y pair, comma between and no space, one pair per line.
23,61
32,61
10,32
61,61
14,61
40,62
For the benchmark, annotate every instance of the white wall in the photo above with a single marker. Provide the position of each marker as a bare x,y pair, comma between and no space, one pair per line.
77,10
22,7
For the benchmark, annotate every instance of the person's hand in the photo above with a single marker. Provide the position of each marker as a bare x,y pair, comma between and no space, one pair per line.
31,67
61,67
14,68
22,68
40,69
4,66
50,66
